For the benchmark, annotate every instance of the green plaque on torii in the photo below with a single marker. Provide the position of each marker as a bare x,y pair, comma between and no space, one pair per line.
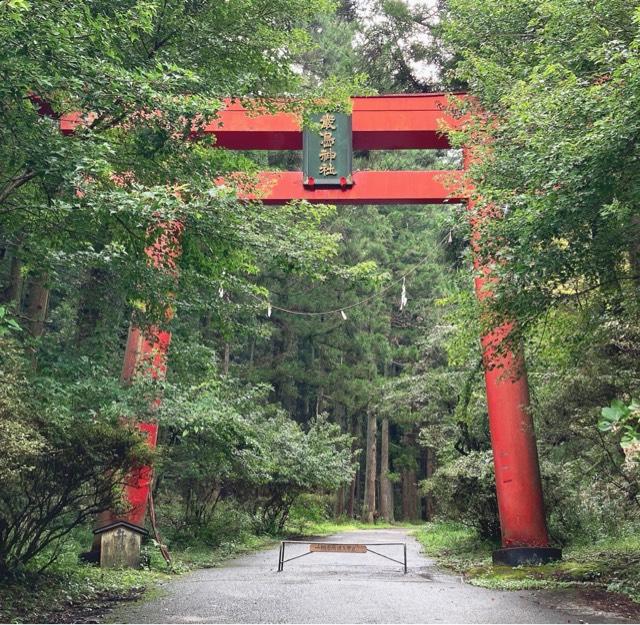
328,151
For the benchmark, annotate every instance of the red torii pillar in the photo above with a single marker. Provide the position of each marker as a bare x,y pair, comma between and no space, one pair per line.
145,355
515,455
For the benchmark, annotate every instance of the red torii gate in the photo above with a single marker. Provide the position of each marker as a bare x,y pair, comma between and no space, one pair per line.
393,122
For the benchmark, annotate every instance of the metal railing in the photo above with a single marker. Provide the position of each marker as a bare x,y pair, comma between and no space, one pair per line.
322,547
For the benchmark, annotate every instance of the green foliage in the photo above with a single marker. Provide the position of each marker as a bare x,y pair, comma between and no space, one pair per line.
288,462
263,416
551,125
465,491
456,545
226,443
95,199
7,324
55,474
623,418
78,214
72,591
557,83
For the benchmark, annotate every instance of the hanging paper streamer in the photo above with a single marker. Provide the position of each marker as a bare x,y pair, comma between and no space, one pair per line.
403,296
343,315
221,292
269,309
450,237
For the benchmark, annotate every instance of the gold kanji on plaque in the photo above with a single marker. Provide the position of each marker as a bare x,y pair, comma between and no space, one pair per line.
327,155
328,169
328,122
327,158
327,140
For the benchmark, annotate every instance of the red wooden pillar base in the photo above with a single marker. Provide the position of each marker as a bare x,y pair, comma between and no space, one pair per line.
518,486
515,455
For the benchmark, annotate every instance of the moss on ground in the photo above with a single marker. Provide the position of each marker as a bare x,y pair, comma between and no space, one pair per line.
612,564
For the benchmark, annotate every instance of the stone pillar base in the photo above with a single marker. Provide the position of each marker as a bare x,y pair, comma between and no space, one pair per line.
515,556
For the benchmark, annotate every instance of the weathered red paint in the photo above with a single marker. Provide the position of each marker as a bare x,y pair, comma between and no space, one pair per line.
139,481
146,354
515,456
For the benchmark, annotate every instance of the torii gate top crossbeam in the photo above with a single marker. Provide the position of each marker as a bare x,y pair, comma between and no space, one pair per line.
379,123
371,187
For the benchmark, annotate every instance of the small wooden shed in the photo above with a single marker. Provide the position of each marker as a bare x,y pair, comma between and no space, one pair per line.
120,543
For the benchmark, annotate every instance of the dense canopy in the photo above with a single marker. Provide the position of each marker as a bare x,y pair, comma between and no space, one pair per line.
273,423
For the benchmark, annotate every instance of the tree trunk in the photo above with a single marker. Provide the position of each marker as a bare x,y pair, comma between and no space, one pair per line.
319,398
409,483
227,356
369,507
386,487
341,420
409,495
634,251
12,292
430,468
88,313
354,481
338,510
37,304
352,496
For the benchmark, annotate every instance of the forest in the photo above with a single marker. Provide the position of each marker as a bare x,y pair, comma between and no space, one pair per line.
325,367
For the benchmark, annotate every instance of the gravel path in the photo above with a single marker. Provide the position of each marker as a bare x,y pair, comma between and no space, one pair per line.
348,588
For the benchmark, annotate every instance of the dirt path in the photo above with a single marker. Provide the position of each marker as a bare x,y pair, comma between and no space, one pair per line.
348,588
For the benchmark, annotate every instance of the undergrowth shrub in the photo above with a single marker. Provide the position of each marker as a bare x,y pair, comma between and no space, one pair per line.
464,491
310,509
54,474
230,523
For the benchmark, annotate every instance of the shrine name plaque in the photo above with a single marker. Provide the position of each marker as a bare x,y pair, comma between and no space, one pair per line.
327,151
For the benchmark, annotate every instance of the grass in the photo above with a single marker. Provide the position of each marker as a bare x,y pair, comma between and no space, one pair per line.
204,557
611,564
326,528
70,590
